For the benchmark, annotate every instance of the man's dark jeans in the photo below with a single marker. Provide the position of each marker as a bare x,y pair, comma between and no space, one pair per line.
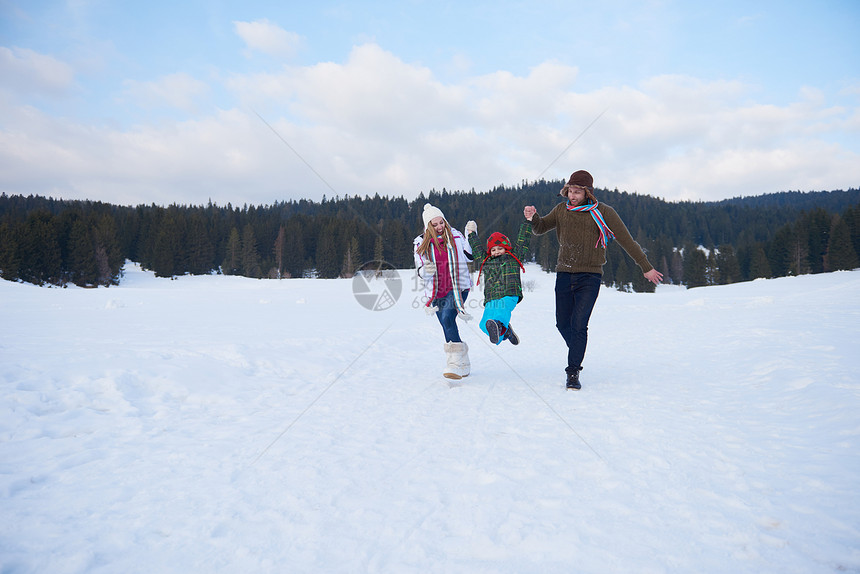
575,296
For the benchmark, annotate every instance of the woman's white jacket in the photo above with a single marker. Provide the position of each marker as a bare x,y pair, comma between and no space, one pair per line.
463,252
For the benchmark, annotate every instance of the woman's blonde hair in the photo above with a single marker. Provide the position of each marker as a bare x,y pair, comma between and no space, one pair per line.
430,236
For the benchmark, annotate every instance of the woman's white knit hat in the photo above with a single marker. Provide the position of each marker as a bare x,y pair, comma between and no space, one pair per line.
430,213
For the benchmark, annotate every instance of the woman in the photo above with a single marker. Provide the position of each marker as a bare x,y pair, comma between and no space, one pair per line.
584,228
441,259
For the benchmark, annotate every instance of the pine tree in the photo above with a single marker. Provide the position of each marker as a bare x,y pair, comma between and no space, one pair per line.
819,223
779,252
852,219
294,249
39,250
695,267
278,250
8,252
546,252
233,256
327,259
798,250
727,264
200,249
350,260
623,281
107,253
379,247
840,250
759,265
250,257
166,261
712,270
663,268
401,246
81,261
677,269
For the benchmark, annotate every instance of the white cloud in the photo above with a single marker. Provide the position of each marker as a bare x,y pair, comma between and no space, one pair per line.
375,124
733,172
226,157
174,90
27,72
268,38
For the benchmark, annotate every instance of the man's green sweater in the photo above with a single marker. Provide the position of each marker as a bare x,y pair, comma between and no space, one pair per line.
578,234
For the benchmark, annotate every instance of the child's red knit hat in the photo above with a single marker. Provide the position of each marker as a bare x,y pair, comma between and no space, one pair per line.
498,240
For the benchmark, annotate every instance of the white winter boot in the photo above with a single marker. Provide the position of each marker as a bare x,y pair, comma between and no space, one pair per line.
458,361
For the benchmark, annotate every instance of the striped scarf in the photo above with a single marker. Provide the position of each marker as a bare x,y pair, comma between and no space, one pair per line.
454,272
606,235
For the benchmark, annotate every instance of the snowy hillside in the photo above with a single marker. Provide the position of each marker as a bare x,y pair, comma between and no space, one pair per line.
222,424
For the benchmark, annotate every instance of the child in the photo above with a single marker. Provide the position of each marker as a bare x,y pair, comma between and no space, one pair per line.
501,265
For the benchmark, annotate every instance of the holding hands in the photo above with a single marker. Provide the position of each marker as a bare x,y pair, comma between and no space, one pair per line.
429,268
529,211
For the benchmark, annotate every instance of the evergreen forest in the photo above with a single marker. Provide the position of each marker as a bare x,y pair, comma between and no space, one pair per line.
56,242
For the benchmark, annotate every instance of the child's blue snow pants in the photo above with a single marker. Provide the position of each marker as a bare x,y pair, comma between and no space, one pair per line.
498,310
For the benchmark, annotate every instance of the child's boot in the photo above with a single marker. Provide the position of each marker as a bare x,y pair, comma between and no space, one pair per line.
494,330
511,336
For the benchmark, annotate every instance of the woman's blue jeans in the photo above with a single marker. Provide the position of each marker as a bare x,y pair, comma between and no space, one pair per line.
447,315
575,296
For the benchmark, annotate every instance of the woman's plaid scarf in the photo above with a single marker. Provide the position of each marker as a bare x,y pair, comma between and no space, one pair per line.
454,273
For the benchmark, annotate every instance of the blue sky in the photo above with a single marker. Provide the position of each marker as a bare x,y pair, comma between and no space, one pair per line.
257,102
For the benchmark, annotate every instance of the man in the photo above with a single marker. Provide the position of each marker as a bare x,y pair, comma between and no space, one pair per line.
584,228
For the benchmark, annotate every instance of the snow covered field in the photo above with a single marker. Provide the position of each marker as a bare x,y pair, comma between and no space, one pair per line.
223,424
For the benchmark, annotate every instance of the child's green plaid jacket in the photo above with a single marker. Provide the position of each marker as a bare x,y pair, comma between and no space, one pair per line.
502,273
